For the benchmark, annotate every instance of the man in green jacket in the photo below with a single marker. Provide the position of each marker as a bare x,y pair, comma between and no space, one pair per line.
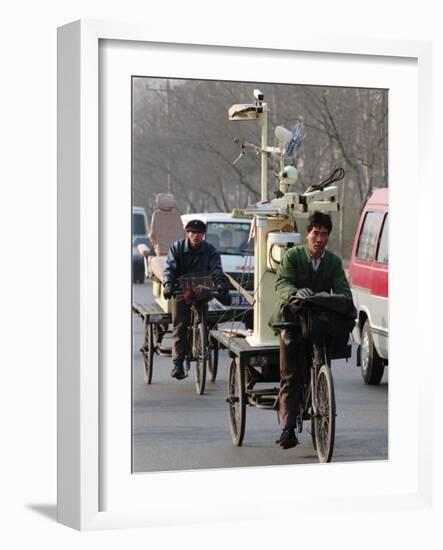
304,270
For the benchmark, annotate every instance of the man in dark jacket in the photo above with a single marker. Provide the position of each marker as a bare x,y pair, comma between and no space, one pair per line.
187,256
304,270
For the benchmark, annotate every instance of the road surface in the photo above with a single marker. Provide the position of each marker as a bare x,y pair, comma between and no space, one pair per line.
176,429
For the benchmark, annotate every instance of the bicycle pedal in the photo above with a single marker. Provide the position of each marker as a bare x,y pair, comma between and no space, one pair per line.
232,400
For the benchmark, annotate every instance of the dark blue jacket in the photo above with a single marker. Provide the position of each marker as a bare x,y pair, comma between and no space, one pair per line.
183,260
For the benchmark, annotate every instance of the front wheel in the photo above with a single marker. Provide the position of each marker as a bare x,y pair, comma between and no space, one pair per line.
324,417
201,357
237,402
371,363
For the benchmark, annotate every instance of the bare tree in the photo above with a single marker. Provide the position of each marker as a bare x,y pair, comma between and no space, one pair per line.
184,143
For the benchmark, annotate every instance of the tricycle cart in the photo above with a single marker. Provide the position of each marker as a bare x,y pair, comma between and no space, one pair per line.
157,327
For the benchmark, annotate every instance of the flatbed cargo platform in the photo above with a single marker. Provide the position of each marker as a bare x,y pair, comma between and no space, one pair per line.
217,312
238,346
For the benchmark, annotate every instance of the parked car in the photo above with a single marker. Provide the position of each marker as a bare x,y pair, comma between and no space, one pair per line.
139,236
368,275
138,261
139,222
230,236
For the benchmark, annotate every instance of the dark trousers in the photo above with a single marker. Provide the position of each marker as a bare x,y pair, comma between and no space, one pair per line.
294,374
181,317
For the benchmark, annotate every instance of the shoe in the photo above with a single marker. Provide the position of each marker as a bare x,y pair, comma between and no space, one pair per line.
287,439
178,372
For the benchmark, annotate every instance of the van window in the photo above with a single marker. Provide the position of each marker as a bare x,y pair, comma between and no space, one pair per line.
138,224
230,237
368,236
383,251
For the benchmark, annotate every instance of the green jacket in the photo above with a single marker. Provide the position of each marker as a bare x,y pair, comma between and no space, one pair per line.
296,271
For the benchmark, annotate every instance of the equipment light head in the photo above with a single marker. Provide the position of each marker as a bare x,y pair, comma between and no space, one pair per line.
258,95
289,174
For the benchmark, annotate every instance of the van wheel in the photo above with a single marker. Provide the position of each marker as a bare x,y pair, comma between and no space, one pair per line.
372,366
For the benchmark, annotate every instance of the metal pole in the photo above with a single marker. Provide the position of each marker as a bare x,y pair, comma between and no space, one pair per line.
262,334
264,157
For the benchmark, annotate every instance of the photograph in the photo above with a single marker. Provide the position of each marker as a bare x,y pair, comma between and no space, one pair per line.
260,264
220,402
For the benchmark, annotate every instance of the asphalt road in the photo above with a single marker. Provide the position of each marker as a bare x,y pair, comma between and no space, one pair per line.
176,429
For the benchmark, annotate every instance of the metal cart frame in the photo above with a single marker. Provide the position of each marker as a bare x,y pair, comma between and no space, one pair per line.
249,365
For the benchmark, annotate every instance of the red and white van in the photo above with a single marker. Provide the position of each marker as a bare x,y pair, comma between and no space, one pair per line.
368,276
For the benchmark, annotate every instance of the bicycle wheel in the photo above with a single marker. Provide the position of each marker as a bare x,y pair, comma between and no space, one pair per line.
212,359
237,402
148,353
324,418
201,356
309,409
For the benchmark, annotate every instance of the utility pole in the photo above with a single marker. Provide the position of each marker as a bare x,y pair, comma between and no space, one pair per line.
168,123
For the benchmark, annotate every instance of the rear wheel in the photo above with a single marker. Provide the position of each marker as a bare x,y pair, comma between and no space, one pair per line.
237,402
311,411
201,357
372,366
324,417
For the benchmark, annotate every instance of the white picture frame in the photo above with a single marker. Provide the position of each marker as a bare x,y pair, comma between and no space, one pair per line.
84,215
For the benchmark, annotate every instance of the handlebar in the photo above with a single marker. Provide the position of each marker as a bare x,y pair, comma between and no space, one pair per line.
284,325
214,293
319,317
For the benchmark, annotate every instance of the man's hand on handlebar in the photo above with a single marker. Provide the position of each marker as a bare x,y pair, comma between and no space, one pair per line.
198,293
221,290
303,293
167,292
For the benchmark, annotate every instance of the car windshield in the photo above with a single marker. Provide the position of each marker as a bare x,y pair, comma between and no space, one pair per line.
230,237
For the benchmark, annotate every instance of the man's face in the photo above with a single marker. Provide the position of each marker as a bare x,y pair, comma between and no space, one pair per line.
195,238
317,239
